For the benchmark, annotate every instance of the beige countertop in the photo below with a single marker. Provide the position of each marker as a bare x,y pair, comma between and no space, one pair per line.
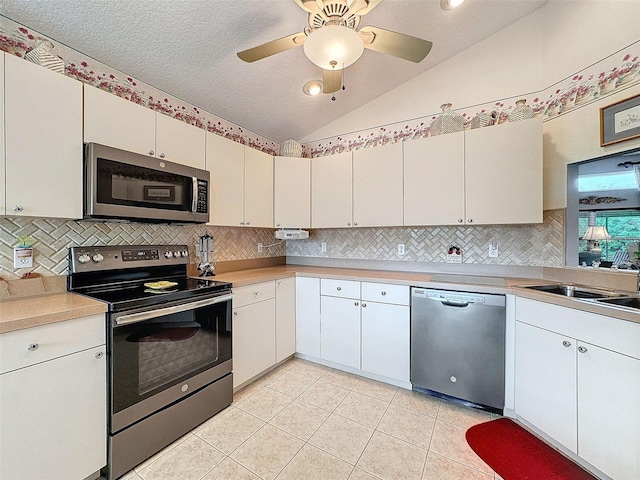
31,311
26,312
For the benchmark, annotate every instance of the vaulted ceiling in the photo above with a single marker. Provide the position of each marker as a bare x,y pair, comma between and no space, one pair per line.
188,49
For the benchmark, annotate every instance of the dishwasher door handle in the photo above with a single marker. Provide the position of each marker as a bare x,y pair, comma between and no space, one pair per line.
451,303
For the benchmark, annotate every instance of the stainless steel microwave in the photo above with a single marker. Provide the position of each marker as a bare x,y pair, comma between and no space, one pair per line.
128,186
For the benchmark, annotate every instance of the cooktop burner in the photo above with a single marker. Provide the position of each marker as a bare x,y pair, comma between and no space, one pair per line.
117,275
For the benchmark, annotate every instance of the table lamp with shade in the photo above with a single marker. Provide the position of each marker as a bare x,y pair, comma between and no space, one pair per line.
593,235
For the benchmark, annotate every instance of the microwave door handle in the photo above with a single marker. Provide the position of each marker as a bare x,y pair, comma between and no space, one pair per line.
194,201
142,316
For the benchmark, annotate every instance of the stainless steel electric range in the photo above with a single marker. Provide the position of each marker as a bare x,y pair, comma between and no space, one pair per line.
168,347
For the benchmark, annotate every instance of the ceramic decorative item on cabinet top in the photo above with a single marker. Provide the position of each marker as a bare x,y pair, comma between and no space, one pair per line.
484,119
290,148
42,55
521,112
447,122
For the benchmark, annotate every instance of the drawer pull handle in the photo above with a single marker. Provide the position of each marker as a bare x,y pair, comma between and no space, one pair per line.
151,153
339,288
582,349
566,343
235,314
32,347
99,355
257,293
364,305
355,303
383,292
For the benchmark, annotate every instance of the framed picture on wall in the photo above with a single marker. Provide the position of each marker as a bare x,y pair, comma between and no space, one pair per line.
620,121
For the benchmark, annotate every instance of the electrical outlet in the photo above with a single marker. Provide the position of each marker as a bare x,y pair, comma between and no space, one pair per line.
22,257
493,249
323,247
401,249
259,248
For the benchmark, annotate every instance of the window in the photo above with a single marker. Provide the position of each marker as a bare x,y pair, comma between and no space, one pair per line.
604,182
623,227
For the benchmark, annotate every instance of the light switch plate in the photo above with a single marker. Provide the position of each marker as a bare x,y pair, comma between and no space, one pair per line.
401,249
22,257
323,247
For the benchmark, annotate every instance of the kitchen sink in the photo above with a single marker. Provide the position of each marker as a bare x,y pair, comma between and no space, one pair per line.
629,302
574,291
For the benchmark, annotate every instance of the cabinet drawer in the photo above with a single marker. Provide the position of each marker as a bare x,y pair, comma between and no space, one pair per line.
26,347
384,293
340,288
253,293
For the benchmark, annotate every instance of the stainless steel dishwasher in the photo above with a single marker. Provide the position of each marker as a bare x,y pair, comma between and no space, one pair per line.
458,346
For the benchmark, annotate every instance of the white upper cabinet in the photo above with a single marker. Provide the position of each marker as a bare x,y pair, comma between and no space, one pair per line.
2,152
179,142
241,183
434,180
331,191
258,188
503,173
378,186
292,185
43,141
117,122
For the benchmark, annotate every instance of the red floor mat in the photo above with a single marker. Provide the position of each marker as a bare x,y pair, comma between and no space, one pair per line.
515,454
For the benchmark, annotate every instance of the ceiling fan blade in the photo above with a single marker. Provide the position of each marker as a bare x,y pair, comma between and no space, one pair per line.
371,5
397,44
309,6
273,47
331,80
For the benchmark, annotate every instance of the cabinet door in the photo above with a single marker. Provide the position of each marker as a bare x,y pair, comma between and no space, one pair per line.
179,142
225,162
385,340
53,418
434,180
331,191
285,318
377,186
292,185
254,340
117,122
340,330
308,316
503,173
2,161
608,415
43,141
258,188
545,386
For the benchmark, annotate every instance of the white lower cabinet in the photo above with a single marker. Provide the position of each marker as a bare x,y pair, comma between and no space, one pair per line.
53,412
577,379
308,316
340,330
285,318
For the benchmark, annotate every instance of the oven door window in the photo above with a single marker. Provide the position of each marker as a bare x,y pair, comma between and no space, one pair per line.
122,184
153,355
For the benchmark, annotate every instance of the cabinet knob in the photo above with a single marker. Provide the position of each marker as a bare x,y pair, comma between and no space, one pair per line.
355,224
348,224
279,282
152,153
235,314
355,303
162,155
241,223
383,293
459,220
247,223
469,220
18,208
582,349
256,293
566,343
364,305
99,355
32,347
338,288
277,224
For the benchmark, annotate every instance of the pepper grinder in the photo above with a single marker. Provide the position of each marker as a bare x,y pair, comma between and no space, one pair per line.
205,255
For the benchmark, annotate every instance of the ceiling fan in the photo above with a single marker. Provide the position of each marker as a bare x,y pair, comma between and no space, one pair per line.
332,42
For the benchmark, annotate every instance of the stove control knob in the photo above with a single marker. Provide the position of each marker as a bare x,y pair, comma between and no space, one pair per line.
176,254
185,253
84,258
97,258
168,255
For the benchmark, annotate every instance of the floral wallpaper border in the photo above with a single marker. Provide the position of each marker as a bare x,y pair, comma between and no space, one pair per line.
613,73
18,40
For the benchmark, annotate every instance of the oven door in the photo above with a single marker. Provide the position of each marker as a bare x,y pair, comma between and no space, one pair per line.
158,356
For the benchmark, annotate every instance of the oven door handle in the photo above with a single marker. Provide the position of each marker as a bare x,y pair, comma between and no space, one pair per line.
142,316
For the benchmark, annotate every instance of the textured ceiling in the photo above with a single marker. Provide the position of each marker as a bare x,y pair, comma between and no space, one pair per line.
188,49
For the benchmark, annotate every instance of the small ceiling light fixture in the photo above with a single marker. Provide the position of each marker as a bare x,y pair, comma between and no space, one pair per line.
450,4
312,88
333,43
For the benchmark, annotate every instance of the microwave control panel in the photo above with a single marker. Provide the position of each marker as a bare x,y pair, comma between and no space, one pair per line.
203,195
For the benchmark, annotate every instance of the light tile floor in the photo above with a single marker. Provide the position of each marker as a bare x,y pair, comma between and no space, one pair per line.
304,421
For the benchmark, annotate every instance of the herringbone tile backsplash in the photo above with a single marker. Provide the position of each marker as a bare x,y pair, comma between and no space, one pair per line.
53,237
525,245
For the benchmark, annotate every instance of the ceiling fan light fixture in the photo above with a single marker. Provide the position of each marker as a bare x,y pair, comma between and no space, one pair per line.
333,43
312,88
450,4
